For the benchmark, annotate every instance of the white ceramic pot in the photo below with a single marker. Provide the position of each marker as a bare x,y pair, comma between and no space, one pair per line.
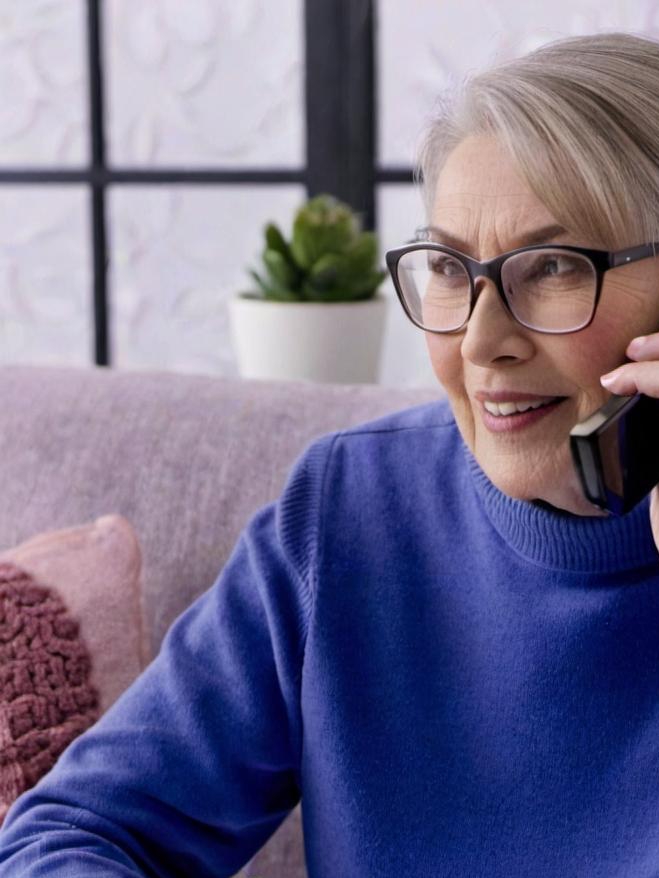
334,342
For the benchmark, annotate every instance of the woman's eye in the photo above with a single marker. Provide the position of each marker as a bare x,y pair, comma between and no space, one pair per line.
553,268
444,266
557,265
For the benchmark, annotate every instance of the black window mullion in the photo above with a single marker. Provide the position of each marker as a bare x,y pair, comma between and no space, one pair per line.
340,104
97,182
148,176
394,175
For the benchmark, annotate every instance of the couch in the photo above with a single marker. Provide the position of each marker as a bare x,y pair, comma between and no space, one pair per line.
186,459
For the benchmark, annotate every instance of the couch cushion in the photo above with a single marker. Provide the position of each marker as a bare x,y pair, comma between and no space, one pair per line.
46,695
95,569
72,638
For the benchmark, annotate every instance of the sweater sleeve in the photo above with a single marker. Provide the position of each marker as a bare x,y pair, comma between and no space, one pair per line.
197,763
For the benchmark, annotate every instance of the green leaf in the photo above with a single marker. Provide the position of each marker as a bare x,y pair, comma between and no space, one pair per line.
282,274
362,255
326,272
365,287
332,280
275,240
305,244
262,285
313,294
272,290
281,295
322,226
328,258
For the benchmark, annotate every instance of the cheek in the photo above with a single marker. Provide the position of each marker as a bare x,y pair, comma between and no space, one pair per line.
446,360
448,365
625,311
590,354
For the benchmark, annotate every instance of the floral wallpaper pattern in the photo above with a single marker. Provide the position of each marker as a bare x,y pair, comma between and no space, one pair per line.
427,45
43,112
45,276
213,83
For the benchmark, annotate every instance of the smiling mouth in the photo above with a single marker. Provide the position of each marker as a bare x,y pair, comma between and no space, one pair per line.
508,409
511,417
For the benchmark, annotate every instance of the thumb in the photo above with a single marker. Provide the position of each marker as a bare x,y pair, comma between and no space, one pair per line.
654,515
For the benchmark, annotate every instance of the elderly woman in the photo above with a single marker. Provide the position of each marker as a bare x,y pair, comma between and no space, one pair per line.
432,638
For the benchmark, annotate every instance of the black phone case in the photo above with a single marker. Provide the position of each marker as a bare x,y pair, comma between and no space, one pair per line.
616,452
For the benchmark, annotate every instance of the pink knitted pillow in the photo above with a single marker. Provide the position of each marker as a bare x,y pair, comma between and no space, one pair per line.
46,698
72,638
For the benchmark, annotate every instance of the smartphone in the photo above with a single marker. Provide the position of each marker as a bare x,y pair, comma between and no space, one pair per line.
616,452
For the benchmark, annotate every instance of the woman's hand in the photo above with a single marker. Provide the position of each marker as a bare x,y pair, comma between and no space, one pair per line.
641,376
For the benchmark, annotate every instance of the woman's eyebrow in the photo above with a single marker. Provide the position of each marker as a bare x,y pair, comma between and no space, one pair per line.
542,235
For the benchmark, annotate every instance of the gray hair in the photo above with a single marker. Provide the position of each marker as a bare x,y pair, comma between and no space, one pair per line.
580,117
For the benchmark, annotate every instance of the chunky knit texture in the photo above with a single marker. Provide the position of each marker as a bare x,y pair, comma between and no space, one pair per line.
454,682
46,699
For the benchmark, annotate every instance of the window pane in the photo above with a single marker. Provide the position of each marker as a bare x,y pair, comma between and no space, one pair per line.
178,254
45,276
216,84
43,82
420,52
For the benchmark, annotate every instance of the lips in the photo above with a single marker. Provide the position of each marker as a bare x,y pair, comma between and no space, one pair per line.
507,408
509,411
513,395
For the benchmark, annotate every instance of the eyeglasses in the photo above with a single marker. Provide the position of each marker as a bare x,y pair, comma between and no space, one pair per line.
546,288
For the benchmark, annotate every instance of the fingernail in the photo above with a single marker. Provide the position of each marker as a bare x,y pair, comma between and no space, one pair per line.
636,344
609,378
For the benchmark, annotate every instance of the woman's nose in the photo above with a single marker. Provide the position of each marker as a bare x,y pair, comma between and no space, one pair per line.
492,333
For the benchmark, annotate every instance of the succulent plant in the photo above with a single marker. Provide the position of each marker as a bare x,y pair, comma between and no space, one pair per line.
328,259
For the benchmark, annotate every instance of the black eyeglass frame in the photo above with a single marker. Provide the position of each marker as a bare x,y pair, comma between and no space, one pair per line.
601,260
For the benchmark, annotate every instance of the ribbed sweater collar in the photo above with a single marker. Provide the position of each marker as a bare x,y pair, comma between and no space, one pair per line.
564,541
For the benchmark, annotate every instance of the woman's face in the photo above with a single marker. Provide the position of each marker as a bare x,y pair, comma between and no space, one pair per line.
482,201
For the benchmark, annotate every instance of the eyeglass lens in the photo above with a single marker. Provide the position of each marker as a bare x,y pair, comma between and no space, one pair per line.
550,290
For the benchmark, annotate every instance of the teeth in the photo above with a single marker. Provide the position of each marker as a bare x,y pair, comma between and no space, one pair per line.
510,408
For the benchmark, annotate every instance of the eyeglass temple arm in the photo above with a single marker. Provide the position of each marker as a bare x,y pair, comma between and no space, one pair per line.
633,254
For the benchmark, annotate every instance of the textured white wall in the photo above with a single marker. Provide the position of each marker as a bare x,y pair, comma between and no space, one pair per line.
202,83
45,276
425,45
43,114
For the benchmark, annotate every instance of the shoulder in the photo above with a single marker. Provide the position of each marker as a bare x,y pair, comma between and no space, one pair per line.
398,447
371,472
420,437
425,417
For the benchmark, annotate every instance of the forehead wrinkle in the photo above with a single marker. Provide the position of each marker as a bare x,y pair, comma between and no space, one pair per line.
500,206
496,232
533,207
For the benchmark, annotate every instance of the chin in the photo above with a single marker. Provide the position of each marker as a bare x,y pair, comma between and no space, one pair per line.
539,479
561,491
513,486
544,474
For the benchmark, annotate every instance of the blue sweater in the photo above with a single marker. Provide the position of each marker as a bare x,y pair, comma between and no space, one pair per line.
455,682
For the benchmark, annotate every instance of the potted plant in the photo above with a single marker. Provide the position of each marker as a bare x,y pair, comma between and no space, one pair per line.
314,314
